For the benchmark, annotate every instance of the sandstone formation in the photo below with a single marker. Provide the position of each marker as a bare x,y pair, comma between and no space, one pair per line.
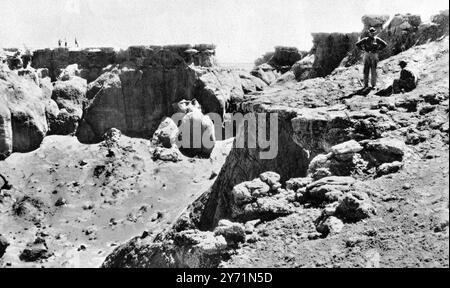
69,95
91,60
134,96
23,124
327,53
285,57
196,134
330,141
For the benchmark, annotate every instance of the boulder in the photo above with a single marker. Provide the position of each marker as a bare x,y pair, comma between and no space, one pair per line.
328,189
35,251
251,84
196,134
341,161
330,226
383,150
389,168
247,192
233,233
272,179
69,96
375,21
284,57
297,183
199,248
166,134
167,154
354,206
69,72
266,73
23,124
346,150
259,199
303,69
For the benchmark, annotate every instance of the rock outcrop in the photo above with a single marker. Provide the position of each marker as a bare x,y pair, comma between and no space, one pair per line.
90,61
329,49
69,95
401,32
23,123
133,97
284,57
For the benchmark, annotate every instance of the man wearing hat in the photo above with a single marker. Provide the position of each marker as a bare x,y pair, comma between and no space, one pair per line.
371,45
407,80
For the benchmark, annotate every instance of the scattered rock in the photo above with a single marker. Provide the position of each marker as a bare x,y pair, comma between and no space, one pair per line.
156,216
35,251
88,206
328,189
258,199
389,168
272,179
166,133
443,220
354,206
383,150
232,232
330,226
346,150
297,183
406,186
167,154
60,202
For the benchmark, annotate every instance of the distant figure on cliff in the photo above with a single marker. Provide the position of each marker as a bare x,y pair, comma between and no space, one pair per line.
59,43
65,43
76,42
406,83
371,45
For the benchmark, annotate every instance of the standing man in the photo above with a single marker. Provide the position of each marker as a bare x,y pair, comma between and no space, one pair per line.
76,42
371,45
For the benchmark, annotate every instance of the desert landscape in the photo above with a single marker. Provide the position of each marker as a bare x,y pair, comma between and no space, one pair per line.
92,173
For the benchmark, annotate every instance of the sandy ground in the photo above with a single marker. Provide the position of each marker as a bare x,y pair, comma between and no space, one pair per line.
108,199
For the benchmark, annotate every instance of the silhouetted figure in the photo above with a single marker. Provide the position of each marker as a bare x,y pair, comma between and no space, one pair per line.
371,45
405,83
407,80
59,43
65,43
76,42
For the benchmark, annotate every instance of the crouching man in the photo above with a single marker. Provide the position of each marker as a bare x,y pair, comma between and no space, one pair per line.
407,81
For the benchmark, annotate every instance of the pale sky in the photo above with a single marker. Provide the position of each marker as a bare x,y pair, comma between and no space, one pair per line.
243,30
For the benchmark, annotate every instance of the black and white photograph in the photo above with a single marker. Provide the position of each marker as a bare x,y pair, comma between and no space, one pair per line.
222,134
